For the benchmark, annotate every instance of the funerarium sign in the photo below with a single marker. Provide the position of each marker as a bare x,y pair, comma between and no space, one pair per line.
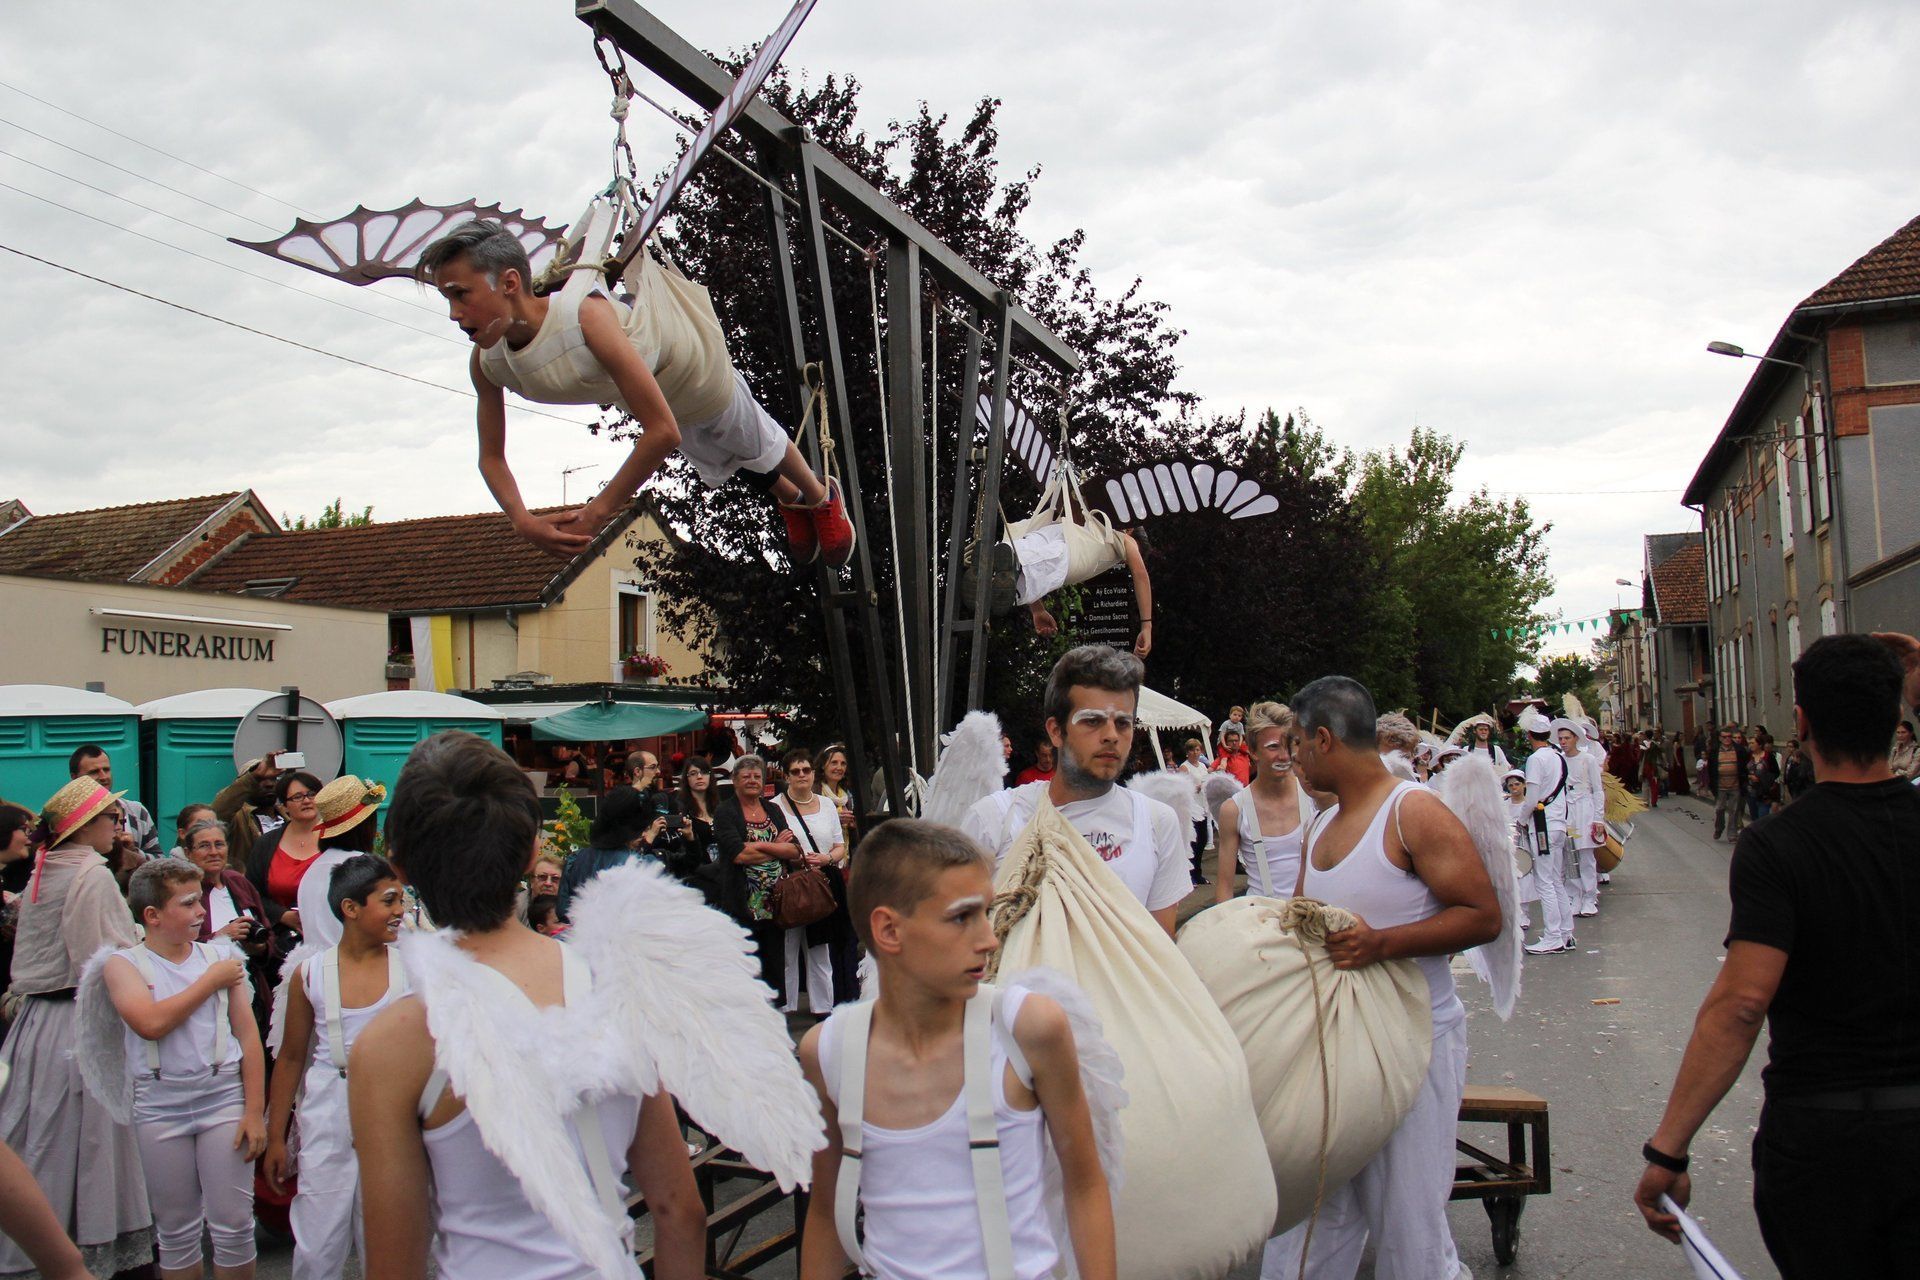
139,641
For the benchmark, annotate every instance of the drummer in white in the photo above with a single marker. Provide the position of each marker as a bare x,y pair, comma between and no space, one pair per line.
1393,854
1263,824
1090,702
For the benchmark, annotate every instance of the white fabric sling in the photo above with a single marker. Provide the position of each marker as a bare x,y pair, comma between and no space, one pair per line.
222,1032
330,987
577,982
983,1021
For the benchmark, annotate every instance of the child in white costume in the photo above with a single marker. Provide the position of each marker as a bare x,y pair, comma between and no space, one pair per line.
186,1067
952,1105
330,998
662,360
503,1111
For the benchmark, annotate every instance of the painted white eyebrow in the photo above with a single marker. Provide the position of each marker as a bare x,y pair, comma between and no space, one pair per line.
964,904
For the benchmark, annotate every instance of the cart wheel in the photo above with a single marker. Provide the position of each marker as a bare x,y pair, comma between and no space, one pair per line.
1504,1212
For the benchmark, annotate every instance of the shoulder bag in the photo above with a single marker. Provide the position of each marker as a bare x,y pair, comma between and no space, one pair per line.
802,895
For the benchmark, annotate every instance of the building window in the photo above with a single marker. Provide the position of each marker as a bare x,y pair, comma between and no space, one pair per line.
1793,637
1819,479
1892,353
1802,453
1782,473
1829,618
636,631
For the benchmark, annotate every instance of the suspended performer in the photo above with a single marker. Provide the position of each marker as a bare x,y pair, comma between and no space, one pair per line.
945,1094
662,360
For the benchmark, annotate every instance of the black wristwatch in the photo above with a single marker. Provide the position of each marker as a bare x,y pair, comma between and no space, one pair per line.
1660,1159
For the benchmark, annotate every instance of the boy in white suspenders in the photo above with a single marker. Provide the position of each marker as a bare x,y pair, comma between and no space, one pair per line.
186,1068
352,981
948,1092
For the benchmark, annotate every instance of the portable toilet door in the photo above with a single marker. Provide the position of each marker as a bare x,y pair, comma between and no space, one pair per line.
382,729
41,725
188,741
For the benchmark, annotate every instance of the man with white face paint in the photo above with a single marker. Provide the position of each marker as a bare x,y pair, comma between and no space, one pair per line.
1090,702
1262,825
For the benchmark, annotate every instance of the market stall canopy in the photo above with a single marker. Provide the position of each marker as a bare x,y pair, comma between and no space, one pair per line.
617,721
1158,711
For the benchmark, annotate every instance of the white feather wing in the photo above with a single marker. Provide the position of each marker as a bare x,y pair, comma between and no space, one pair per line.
681,980
1217,790
1469,788
277,1016
971,768
100,1047
1169,786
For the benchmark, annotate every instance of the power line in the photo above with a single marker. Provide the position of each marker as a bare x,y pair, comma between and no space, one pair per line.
281,284
247,328
157,150
187,195
186,222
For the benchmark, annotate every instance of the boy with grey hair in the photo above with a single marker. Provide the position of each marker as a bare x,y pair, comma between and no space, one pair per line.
1090,703
661,358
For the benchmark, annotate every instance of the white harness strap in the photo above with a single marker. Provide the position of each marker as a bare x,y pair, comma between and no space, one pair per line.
222,1033
983,1020
330,991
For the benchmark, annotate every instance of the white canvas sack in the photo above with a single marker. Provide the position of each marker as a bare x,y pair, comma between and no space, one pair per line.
1189,1123
1260,960
672,322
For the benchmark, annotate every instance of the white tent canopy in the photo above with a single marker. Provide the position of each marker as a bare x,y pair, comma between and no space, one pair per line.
1157,711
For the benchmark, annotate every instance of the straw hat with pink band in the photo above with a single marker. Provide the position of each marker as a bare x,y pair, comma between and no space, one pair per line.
345,803
71,808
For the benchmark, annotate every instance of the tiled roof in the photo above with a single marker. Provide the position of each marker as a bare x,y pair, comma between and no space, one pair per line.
1680,586
444,562
1891,269
112,543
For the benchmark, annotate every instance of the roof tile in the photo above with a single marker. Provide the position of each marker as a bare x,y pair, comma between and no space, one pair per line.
1680,587
111,544
1891,269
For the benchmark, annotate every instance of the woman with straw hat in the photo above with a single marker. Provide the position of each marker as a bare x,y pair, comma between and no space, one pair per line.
344,822
88,1165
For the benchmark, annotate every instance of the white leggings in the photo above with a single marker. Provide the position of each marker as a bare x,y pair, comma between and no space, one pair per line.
819,966
196,1181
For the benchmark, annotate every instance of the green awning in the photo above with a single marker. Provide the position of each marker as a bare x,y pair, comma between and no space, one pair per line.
616,721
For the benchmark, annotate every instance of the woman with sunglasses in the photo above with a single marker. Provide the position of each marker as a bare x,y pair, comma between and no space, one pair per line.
815,820
279,859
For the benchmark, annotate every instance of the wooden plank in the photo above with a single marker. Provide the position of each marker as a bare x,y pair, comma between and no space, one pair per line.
1482,1097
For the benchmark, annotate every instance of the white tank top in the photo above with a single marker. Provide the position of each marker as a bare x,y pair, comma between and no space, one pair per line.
556,367
187,1051
352,1020
916,1185
1272,862
1384,895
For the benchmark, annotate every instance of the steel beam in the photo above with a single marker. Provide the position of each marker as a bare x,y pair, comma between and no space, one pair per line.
642,36
907,493
958,523
985,524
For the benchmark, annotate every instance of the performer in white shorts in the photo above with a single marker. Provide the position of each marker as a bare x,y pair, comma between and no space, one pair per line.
1090,701
1262,825
191,1053
1392,853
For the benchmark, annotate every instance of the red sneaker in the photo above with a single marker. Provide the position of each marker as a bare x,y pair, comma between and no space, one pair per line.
803,543
833,532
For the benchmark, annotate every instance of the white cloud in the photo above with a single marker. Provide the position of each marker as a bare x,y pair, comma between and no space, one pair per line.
1516,223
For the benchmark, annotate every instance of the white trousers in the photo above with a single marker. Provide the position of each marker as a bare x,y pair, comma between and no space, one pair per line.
197,1181
326,1206
1583,879
819,962
1549,876
1398,1199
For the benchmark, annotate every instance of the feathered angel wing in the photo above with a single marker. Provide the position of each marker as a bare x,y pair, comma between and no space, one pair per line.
1469,788
971,767
1571,705
1399,764
277,1017
1170,787
681,980
1216,791
100,1047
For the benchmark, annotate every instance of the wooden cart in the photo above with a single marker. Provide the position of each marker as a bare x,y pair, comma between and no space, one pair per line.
1503,1185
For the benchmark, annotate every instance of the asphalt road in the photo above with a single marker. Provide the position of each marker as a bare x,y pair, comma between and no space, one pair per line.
1604,1069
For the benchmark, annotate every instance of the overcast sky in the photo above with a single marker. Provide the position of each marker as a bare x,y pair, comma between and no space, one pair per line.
1515,223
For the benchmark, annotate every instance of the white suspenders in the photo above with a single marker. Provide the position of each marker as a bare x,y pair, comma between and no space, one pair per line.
577,984
222,1032
329,961
984,1019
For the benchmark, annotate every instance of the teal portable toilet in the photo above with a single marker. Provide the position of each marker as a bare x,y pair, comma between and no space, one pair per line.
187,742
42,724
382,729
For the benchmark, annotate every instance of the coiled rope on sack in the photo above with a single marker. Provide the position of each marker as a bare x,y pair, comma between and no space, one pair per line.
1011,906
1308,921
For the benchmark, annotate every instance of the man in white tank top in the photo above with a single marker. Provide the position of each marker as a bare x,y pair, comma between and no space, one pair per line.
1392,853
576,347
1090,702
1261,827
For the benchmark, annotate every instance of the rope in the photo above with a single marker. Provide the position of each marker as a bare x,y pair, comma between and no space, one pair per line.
1013,905
893,515
1306,920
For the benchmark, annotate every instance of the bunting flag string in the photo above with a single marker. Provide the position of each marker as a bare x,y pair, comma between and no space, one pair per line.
1536,630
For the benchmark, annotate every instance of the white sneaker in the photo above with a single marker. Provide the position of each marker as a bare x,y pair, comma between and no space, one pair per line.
1545,947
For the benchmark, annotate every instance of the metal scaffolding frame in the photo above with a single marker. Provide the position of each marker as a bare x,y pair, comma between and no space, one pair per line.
922,694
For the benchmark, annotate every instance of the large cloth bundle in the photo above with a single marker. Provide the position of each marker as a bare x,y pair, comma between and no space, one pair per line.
1337,1055
1190,1132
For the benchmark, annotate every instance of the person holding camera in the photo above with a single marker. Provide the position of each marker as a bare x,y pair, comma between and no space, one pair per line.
234,909
628,827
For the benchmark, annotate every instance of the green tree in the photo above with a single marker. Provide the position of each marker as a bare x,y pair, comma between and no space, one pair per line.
1563,674
331,517
1456,576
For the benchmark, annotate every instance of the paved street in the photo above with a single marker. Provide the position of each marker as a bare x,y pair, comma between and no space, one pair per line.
1605,1070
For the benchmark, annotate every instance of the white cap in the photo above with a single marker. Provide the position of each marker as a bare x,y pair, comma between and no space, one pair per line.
1533,722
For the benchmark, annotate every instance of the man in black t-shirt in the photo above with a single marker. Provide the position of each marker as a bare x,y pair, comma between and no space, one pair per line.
1824,948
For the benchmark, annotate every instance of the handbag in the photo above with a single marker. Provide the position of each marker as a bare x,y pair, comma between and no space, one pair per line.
802,895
